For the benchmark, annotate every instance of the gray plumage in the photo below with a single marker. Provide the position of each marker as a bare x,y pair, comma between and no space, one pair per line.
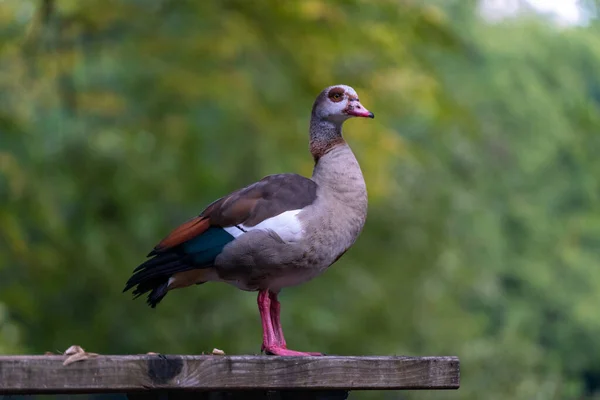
280,231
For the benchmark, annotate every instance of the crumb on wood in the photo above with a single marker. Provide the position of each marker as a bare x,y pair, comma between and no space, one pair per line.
77,353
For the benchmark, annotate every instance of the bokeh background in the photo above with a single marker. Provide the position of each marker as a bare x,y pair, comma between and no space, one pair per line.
121,119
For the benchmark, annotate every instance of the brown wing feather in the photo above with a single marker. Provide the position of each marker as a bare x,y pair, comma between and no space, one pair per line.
264,199
184,232
251,205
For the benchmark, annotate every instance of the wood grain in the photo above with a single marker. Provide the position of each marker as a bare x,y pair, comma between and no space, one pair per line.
47,374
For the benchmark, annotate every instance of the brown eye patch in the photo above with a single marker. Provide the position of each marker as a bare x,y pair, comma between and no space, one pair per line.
336,94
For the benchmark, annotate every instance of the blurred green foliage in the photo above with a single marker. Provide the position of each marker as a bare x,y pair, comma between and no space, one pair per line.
121,119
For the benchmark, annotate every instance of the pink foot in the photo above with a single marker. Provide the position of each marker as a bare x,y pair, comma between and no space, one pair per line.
280,351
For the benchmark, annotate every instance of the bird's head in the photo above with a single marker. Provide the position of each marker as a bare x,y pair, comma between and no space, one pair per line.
338,103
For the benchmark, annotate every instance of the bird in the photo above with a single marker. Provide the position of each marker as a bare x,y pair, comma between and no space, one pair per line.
278,232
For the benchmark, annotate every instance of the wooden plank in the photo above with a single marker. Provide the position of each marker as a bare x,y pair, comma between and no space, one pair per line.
47,374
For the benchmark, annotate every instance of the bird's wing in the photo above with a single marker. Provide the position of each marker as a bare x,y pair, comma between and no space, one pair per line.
271,203
263,204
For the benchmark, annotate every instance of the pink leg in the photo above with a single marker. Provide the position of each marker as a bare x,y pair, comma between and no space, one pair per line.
264,308
273,340
275,320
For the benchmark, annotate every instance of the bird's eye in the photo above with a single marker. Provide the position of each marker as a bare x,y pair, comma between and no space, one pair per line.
336,95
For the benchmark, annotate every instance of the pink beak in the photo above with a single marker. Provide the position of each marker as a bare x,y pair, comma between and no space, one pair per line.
357,110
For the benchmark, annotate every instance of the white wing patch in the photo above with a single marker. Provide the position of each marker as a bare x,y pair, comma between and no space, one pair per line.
286,225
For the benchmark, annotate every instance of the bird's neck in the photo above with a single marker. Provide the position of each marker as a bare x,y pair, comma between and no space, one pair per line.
336,168
324,136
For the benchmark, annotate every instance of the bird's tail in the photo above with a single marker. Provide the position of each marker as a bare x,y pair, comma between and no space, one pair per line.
186,264
153,275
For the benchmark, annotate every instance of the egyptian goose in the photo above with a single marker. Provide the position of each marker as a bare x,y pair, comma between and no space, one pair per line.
280,231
